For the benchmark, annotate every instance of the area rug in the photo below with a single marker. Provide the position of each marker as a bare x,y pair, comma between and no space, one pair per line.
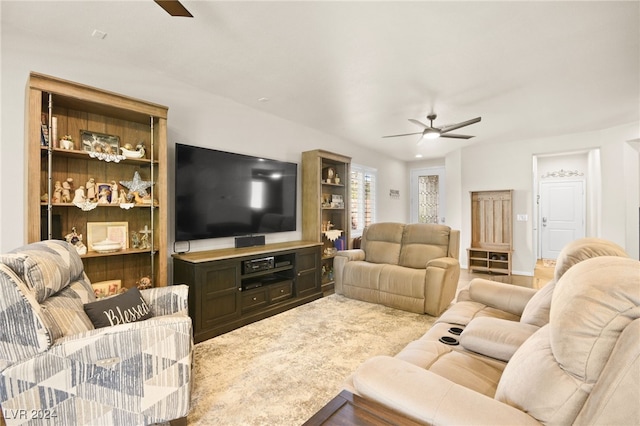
281,370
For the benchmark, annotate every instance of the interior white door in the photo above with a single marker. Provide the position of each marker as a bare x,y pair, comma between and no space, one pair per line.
562,215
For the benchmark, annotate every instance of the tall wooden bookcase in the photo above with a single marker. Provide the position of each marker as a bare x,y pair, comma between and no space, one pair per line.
58,107
325,205
491,232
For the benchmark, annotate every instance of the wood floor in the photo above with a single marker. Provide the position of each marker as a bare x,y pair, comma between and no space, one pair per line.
542,274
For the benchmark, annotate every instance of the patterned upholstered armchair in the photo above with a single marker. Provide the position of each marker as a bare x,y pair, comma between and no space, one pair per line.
54,366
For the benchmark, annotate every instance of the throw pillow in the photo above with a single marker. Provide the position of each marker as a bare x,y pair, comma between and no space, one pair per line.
124,308
45,266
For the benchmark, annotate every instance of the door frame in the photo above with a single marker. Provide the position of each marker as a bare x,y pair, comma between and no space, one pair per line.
592,189
413,183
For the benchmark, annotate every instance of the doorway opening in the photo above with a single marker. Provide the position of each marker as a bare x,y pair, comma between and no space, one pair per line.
566,190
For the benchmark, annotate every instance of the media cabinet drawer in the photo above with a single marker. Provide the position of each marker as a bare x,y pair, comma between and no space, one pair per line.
254,299
280,291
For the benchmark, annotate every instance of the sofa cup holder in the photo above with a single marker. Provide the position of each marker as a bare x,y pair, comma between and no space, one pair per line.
448,340
455,330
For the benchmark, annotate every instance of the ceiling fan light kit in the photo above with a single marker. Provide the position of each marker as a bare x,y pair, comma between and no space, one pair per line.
431,134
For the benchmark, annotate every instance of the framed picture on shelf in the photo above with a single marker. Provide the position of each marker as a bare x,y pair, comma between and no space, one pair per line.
337,202
107,288
113,231
99,142
103,193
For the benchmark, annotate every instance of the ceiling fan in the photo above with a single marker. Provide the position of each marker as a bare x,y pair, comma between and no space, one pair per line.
430,132
174,8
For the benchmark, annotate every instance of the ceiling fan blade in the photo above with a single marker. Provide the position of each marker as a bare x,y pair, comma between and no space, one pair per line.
424,126
453,136
403,134
174,8
457,126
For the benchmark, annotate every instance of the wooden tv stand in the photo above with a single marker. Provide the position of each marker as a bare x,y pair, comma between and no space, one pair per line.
230,288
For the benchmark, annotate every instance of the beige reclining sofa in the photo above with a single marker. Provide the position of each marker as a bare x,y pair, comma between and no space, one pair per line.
568,355
410,267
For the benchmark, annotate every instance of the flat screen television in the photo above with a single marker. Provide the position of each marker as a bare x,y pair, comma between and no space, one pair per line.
223,194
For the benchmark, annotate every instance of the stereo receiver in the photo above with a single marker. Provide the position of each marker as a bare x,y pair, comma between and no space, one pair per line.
257,265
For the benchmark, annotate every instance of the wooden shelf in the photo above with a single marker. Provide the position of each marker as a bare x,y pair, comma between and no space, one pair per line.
125,252
315,190
495,261
491,232
78,108
74,153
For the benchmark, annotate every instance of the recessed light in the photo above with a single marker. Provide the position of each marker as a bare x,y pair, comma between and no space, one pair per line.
418,155
263,99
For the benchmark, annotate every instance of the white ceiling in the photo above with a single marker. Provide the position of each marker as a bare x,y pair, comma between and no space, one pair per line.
359,70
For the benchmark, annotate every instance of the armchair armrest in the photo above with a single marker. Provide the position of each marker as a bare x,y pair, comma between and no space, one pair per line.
167,300
441,283
444,263
495,337
429,398
341,259
506,297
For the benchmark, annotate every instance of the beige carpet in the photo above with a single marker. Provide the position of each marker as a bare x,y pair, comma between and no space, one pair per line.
281,370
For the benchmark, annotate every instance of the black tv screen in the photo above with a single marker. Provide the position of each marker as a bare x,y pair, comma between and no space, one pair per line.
222,194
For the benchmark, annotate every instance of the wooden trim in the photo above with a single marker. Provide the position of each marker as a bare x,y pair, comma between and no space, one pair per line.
90,94
33,169
230,253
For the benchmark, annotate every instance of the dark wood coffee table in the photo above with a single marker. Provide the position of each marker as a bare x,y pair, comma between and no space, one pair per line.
349,409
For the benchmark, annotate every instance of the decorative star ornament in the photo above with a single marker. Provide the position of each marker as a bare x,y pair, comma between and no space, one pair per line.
136,185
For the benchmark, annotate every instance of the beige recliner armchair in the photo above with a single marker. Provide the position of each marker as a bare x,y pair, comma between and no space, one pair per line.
580,368
485,298
410,267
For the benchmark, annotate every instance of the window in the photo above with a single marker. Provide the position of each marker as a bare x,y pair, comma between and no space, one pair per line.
428,198
363,198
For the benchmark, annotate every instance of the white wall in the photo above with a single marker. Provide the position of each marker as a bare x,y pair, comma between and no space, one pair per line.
205,119
195,118
509,166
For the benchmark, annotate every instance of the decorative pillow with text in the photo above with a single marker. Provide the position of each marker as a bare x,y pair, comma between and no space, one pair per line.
124,308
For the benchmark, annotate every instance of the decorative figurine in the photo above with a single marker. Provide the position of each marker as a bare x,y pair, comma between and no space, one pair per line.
67,142
114,192
123,197
144,238
75,239
79,196
91,189
144,283
57,193
67,187
127,150
135,240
